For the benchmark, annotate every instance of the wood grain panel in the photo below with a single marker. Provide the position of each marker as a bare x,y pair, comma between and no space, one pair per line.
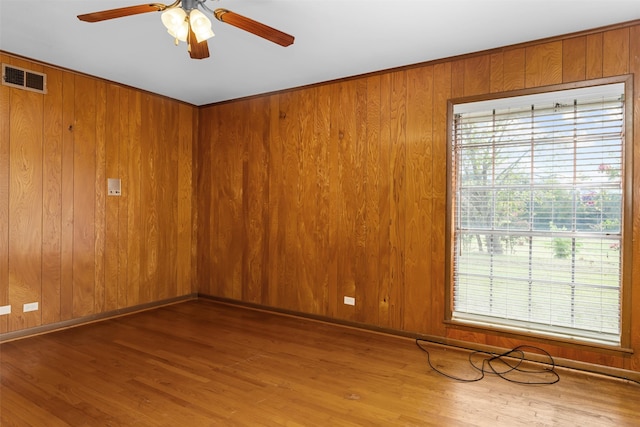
497,72
255,202
615,51
68,142
348,245
112,151
149,204
118,296
205,197
574,62
5,111
370,125
276,203
397,193
326,269
419,194
25,204
52,198
373,270
100,196
84,161
72,248
185,196
229,244
364,290
133,187
477,75
514,69
441,93
543,64
168,197
457,77
594,56
313,202
384,203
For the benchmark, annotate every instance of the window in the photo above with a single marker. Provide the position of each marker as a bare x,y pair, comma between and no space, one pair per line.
537,213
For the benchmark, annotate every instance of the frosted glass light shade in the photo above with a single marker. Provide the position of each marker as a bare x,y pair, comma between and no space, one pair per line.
200,25
175,21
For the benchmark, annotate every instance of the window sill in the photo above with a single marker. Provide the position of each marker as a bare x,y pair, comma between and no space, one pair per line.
564,342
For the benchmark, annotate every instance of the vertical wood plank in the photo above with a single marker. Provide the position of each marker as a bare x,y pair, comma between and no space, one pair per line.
497,72
543,64
100,195
276,177
228,243
419,190
397,236
457,77
167,200
68,142
477,75
25,204
205,197
134,209
118,296
514,69
5,114
150,190
255,202
442,92
112,149
363,292
326,270
52,198
84,160
594,56
334,194
574,59
344,136
615,50
185,198
373,227
384,202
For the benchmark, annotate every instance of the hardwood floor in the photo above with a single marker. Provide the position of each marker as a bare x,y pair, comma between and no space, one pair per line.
201,363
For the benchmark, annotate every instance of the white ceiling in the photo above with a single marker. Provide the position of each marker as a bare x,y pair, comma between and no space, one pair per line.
334,39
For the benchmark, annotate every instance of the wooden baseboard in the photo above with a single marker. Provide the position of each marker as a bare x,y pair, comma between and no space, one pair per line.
66,324
577,365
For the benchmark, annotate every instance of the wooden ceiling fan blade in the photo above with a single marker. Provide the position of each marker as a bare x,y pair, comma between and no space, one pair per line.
197,50
254,27
122,12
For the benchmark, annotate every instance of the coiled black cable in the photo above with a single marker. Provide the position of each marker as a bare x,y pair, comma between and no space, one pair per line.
504,364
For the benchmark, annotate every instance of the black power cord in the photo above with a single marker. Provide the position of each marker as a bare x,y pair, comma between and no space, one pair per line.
503,364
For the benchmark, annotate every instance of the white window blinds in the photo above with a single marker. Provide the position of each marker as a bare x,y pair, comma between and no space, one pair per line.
537,218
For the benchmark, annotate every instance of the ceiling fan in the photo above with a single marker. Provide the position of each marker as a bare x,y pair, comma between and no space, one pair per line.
186,22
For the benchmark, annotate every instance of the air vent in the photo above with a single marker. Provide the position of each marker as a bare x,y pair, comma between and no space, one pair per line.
24,79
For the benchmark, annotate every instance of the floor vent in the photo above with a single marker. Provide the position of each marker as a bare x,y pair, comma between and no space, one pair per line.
24,79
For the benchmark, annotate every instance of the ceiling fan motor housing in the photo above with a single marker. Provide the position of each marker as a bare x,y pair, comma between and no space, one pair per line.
189,5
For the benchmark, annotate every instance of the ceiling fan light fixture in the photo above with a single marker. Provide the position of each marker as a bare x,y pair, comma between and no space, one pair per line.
175,21
201,25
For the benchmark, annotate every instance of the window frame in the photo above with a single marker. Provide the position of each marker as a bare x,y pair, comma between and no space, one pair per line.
627,215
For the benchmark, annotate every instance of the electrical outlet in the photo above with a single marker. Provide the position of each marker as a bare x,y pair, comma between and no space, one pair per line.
5,309
349,300
32,306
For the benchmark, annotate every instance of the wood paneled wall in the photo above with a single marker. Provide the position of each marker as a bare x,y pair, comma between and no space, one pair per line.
63,242
309,195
